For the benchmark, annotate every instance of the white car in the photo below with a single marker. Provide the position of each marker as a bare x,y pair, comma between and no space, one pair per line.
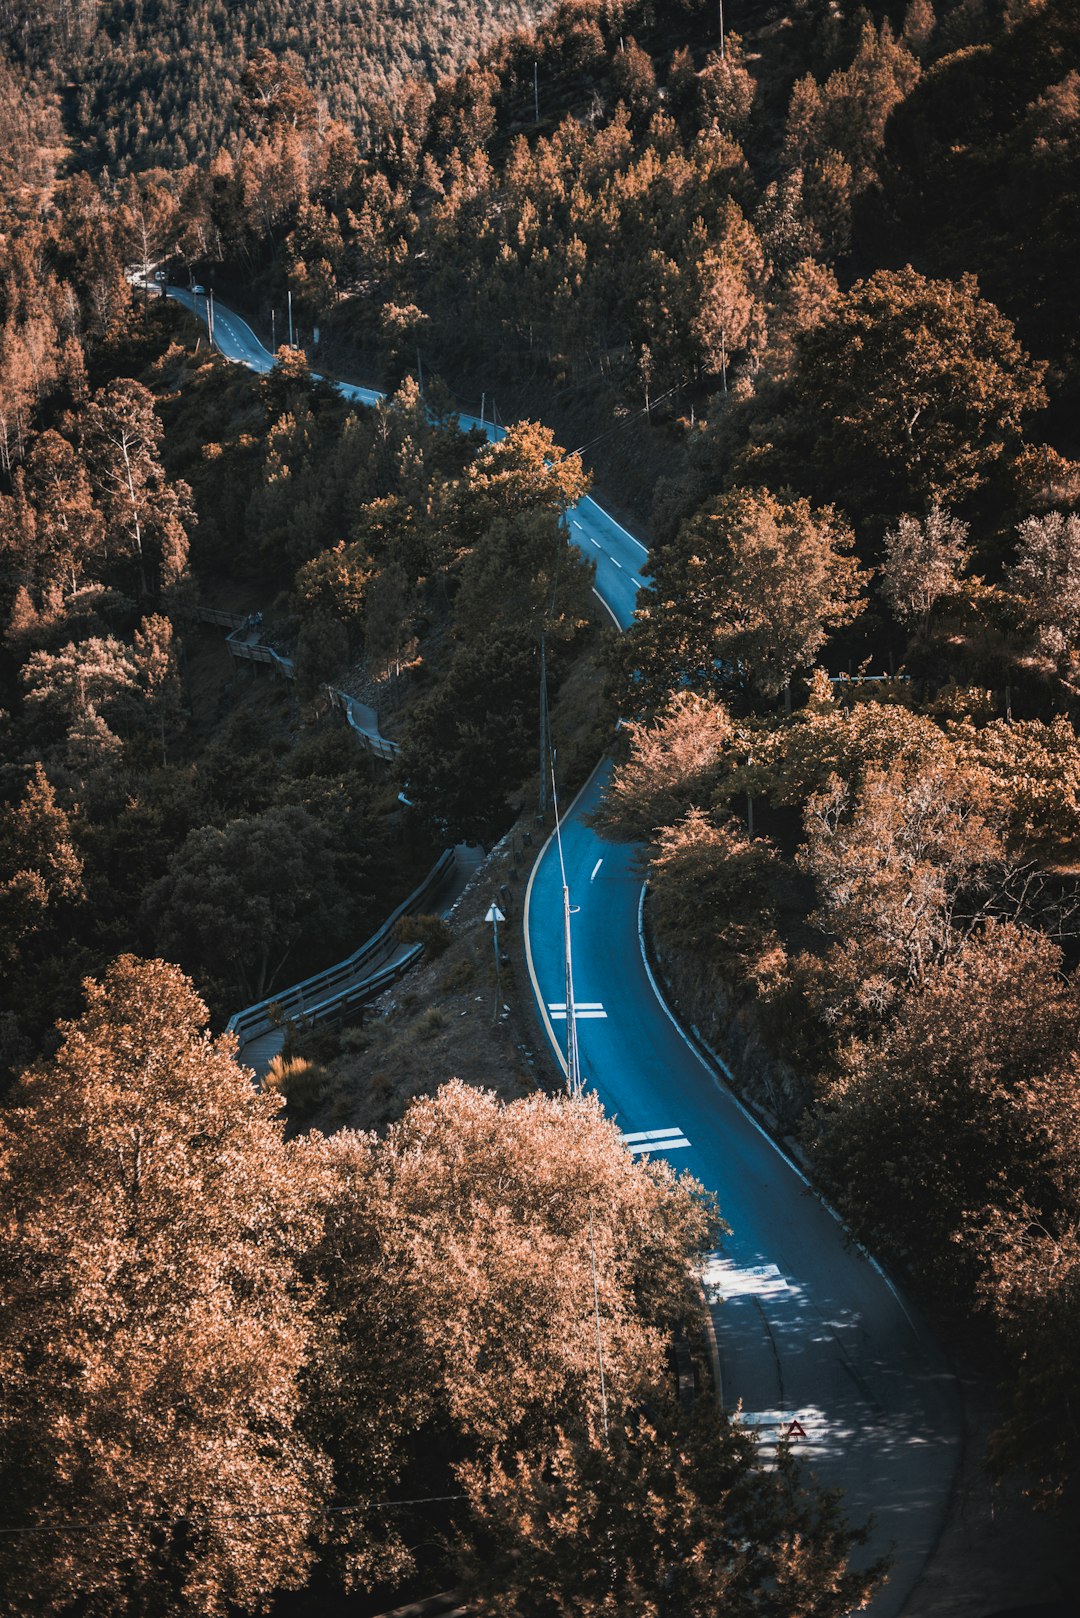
199,292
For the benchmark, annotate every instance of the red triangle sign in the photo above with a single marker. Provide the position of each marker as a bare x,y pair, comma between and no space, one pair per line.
796,1430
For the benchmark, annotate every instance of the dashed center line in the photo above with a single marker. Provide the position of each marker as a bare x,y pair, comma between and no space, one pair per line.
615,559
595,868
595,542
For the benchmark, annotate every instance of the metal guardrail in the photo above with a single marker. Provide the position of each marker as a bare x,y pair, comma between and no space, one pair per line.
338,989
256,652
381,746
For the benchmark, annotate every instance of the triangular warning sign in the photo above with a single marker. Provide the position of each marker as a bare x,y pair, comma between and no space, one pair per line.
795,1431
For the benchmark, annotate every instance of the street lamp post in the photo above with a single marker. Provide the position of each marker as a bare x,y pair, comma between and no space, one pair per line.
545,727
573,1065
495,915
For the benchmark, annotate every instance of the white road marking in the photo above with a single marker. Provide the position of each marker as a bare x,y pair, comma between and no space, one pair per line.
619,526
615,559
596,867
654,1140
651,1134
582,1009
730,1091
723,1279
576,523
610,610
595,542
806,1430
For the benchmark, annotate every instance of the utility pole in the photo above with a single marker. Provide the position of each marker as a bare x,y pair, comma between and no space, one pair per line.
210,315
273,331
723,52
420,373
290,319
536,92
545,729
483,402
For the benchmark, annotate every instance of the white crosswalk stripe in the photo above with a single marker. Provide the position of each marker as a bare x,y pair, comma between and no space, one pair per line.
723,1279
582,1009
654,1140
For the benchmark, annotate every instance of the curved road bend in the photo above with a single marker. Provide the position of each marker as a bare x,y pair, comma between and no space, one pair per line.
809,1330
617,554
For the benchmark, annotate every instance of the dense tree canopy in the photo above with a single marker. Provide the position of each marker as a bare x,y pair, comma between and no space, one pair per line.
213,1337
744,597
700,266
172,86
152,1331
933,386
684,1527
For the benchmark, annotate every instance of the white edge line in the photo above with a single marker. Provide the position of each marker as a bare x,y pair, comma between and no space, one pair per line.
618,626
764,1133
560,1058
729,1089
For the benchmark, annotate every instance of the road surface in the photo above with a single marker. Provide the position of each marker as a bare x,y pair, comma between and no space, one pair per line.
617,554
810,1331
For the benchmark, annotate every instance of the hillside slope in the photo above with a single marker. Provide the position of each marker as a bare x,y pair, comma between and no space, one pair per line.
157,84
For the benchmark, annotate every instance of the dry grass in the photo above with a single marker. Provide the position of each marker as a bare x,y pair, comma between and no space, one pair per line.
443,1021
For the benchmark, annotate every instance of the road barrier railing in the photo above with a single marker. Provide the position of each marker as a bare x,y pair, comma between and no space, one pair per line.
350,983
381,746
256,651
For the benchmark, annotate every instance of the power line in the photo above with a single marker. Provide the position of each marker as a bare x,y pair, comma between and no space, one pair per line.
79,1527
626,420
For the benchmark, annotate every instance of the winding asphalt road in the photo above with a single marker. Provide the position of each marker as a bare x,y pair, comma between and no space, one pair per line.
617,554
810,1331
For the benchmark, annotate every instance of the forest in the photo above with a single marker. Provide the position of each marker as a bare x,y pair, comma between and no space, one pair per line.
800,296
158,86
